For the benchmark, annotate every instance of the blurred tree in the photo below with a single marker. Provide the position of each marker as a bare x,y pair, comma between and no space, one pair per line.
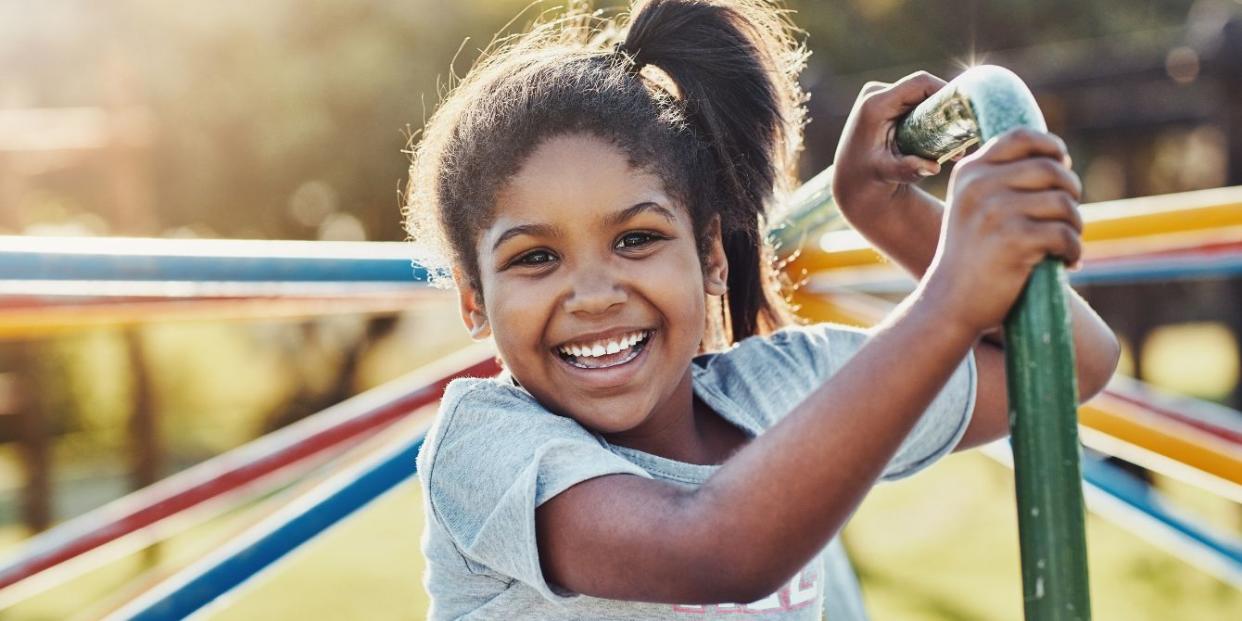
253,101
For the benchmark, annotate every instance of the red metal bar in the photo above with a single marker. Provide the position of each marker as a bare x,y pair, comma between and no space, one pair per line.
341,423
1229,435
1209,249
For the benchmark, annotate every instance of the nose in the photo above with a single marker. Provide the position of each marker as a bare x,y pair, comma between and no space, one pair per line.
594,291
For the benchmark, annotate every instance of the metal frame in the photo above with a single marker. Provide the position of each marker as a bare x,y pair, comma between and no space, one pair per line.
338,425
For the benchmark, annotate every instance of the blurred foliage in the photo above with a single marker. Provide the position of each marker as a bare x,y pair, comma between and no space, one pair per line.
270,117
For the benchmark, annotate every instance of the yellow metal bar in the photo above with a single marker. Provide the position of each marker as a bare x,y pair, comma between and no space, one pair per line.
1166,213
1169,438
1113,228
1113,418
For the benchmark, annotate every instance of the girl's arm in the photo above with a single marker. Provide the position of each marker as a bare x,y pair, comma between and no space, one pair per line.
875,192
775,503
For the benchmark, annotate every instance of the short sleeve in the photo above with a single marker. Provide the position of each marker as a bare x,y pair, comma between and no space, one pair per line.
942,425
493,456
824,348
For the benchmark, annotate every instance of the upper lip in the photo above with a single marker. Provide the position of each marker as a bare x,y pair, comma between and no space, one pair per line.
600,335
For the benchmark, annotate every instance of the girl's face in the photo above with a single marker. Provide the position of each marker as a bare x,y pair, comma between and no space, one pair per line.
593,287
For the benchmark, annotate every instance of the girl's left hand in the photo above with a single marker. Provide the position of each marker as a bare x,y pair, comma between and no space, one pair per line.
869,171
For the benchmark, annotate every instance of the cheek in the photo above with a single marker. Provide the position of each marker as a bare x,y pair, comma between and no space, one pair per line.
678,285
518,313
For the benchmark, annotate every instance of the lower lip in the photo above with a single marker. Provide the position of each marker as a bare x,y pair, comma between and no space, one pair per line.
609,377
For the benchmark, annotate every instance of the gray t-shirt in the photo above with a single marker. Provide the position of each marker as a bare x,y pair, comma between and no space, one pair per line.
494,454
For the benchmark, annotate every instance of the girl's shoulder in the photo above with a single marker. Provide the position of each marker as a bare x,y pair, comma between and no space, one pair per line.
763,377
816,349
492,415
496,404
474,393
822,337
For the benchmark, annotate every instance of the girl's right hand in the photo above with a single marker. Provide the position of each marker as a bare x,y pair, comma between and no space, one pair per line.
1010,204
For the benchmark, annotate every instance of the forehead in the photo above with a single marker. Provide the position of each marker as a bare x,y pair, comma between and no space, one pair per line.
578,177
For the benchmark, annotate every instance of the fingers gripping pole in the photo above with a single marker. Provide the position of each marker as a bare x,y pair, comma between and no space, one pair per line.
982,103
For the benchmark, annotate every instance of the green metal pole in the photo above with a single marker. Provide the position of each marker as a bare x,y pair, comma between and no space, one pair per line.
811,212
982,103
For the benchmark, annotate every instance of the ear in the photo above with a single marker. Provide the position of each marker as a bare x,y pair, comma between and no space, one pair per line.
715,263
470,302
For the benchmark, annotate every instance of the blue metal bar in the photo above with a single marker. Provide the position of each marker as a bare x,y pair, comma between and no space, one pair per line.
1130,503
197,260
252,261
1137,494
887,280
1160,269
198,585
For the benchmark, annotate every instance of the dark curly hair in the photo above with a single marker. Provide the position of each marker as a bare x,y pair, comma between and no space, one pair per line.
703,93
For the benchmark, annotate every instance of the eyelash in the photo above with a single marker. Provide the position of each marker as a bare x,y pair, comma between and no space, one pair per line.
647,236
526,259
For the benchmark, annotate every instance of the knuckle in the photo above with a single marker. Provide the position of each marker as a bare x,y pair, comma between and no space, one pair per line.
1069,236
1073,252
873,86
1076,218
1064,242
1075,184
870,102
1016,136
1067,203
987,149
1062,148
1030,233
968,192
1016,140
1008,138
1028,135
1049,169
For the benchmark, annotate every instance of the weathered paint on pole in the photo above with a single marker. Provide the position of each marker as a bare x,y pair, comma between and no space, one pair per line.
982,103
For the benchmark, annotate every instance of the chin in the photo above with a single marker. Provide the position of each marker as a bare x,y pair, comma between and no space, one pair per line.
610,418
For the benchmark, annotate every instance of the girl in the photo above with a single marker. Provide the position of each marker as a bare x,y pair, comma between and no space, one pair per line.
664,441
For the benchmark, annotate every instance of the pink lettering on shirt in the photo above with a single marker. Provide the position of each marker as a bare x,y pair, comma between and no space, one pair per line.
799,593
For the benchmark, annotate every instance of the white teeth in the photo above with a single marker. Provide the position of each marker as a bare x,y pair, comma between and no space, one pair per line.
601,348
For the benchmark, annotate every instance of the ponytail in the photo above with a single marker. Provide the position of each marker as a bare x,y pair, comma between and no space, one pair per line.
734,65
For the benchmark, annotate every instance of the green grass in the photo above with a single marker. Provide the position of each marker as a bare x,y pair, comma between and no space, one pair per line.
939,547
944,546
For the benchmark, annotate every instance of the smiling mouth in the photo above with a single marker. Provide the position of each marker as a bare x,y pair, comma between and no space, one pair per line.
605,353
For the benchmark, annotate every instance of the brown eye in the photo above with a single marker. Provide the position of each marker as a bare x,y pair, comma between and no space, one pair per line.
535,258
637,239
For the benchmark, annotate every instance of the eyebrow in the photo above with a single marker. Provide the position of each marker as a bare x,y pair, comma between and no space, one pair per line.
535,230
626,214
